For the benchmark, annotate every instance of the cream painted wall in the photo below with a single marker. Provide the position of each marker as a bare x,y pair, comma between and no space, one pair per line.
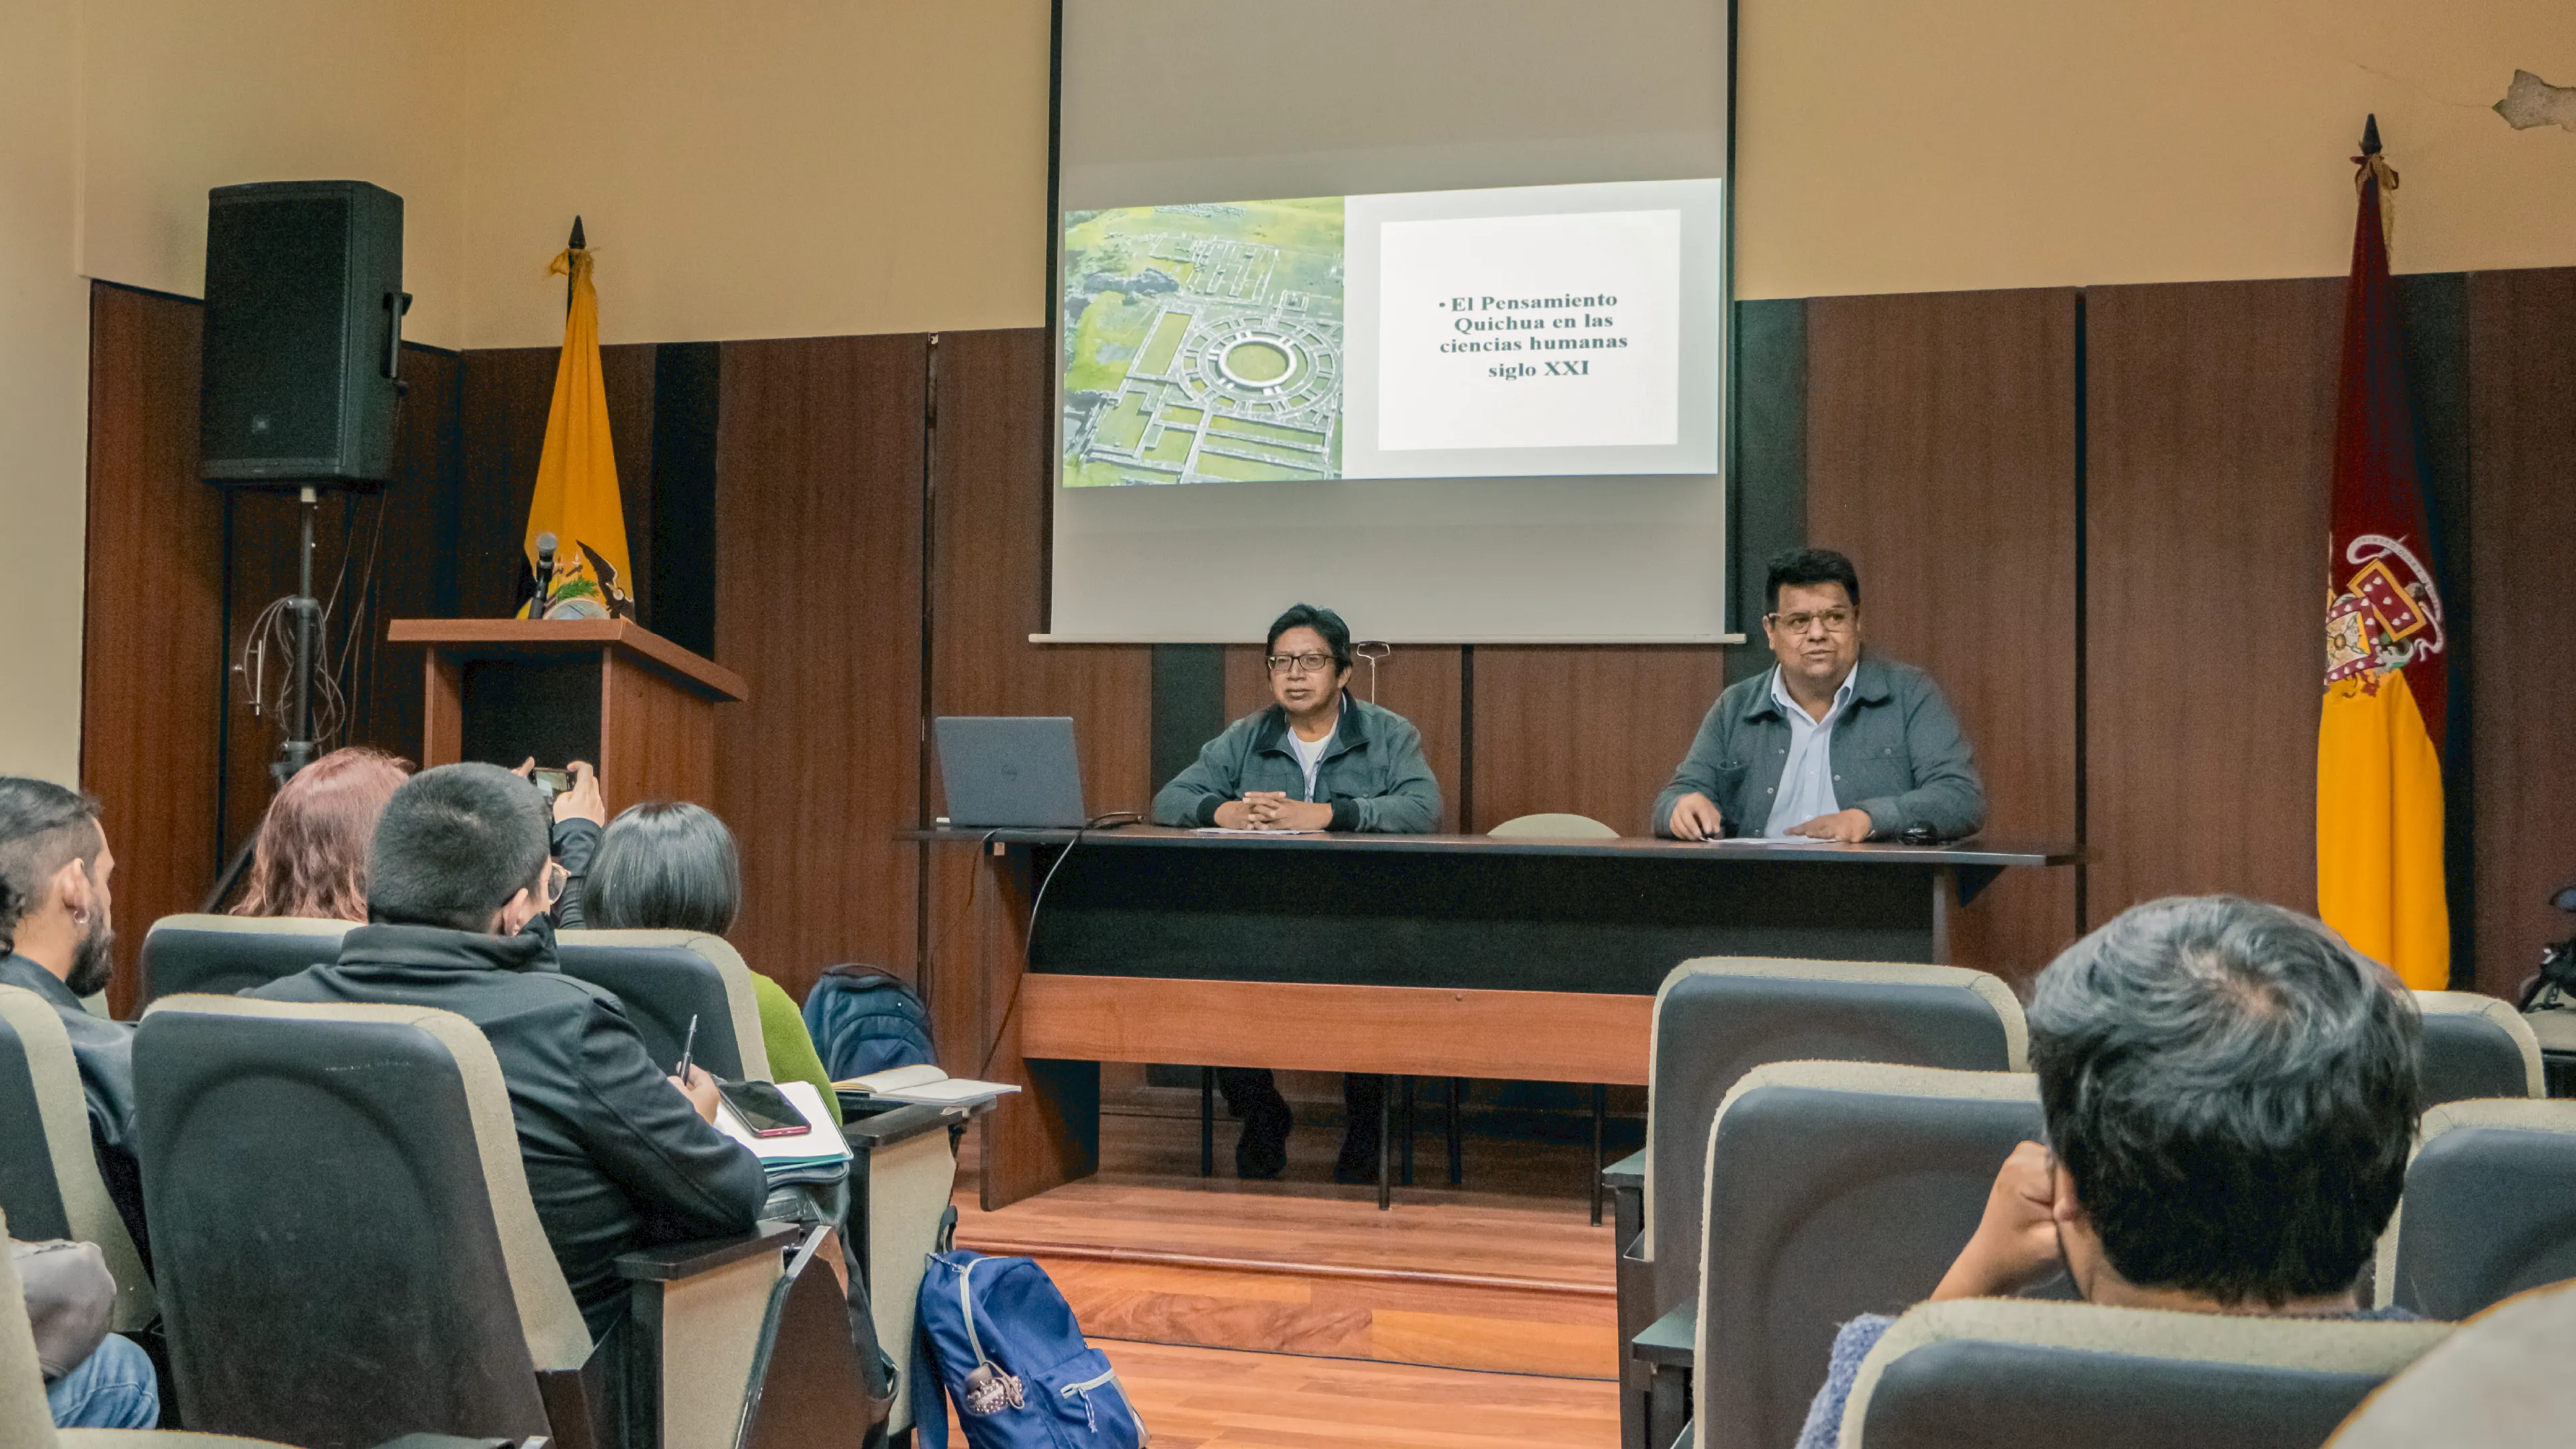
785,169
1912,145
182,96
44,391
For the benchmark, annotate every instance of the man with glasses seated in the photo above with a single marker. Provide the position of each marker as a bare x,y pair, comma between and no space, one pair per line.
1315,759
1827,745
618,1155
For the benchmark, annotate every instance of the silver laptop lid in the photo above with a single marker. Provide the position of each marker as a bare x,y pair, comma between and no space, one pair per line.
1003,772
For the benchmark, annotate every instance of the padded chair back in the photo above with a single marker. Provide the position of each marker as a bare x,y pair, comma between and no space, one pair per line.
666,977
341,1223
1720,1017
2477,1046
2499,1381
2489,1210
220,955
1834,1189
2012,1374
49,1180
25,1420
1553,827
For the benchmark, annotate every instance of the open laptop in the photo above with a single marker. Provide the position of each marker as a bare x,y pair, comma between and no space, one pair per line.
1009,772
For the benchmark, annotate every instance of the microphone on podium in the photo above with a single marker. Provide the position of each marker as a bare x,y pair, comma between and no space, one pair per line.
545,574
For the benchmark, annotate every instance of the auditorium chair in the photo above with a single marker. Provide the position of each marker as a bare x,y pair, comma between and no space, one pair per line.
2499,1381
49,1179
2476,1046
220,955
2489,1210
664,978
346,1251
2554,1028
1832,1189
903,1171
2014,1374
1719,1017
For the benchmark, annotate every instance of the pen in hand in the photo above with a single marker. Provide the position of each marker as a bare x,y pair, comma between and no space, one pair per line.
688,1048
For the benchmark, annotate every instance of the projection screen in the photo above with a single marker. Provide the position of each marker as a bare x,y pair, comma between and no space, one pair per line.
1412,308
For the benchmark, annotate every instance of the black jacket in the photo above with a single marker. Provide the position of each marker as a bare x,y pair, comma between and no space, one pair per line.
616,1158
104,1051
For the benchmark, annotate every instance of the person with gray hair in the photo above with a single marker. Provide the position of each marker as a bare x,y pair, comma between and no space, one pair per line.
669,865
2230,1098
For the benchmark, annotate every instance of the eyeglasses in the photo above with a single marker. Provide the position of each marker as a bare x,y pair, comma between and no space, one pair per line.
1299,663
556,879
1836,621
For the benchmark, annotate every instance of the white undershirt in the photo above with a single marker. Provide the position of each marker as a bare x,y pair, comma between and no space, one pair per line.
1311,756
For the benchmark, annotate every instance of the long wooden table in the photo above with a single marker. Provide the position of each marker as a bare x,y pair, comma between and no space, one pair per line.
1432,955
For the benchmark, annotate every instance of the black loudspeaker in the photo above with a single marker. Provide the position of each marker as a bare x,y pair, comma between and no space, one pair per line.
303,339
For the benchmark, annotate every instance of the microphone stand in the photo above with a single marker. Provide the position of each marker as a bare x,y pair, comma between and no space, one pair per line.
298,750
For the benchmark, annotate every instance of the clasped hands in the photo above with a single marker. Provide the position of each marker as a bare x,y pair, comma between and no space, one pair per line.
1695,817
1273,810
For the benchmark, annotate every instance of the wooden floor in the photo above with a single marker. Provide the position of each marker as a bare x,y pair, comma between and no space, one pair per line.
1506,1275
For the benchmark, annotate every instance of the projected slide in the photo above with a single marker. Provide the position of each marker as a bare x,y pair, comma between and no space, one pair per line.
1531,331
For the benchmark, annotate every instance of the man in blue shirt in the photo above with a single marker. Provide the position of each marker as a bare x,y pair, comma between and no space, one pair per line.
1827,745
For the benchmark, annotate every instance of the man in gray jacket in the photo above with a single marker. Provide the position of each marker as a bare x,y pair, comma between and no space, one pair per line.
1315,759
1827,745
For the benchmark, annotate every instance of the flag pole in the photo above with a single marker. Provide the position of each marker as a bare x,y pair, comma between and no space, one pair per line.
578,244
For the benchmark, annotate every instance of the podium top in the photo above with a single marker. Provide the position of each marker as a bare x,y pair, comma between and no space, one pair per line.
555,638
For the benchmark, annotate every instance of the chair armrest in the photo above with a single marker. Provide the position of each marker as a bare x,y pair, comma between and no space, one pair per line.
672,1262
1670,1341
1628,1171
868,1128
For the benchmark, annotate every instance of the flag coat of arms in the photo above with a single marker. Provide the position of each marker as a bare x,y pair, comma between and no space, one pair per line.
576,497
2387,694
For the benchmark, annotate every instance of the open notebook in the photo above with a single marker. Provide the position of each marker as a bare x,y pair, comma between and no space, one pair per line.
927,1085
784,1157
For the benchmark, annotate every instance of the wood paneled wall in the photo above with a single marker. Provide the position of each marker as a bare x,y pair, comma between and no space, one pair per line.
151,672
1941,456
2210,413
818,528
2522,526
872,571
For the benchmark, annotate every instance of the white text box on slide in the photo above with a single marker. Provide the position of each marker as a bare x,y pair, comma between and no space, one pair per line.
1550,331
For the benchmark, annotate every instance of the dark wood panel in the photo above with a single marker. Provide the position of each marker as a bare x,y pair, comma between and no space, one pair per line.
2211,427
2522,515
988,594
818,573
1594,730
507,391
1941,458
152,633
1418,681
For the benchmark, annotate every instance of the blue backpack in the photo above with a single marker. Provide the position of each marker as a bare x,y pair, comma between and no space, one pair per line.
999,1337
864,1019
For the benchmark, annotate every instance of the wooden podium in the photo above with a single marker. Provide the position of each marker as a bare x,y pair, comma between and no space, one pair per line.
636,705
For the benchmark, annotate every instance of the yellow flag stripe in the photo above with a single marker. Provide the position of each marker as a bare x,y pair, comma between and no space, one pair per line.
2379,830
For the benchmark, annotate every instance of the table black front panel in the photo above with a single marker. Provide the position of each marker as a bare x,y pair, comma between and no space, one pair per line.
1351,915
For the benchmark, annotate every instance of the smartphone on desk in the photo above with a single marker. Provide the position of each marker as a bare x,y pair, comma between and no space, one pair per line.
764,1109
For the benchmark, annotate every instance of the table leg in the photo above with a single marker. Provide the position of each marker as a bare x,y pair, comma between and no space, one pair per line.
1406,1175
1600,1121
1457,1163
1207,1121
1385,1128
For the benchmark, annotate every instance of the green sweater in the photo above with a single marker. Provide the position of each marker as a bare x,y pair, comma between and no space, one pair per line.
792,1057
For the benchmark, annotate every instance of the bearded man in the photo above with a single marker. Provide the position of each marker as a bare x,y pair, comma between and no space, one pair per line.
55,927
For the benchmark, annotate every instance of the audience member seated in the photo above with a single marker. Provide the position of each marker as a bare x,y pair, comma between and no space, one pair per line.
94,1379
671,866
2230,1098
311,859
618,1156
56,931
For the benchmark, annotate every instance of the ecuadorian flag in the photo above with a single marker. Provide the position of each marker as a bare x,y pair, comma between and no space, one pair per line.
2379,735
576,498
